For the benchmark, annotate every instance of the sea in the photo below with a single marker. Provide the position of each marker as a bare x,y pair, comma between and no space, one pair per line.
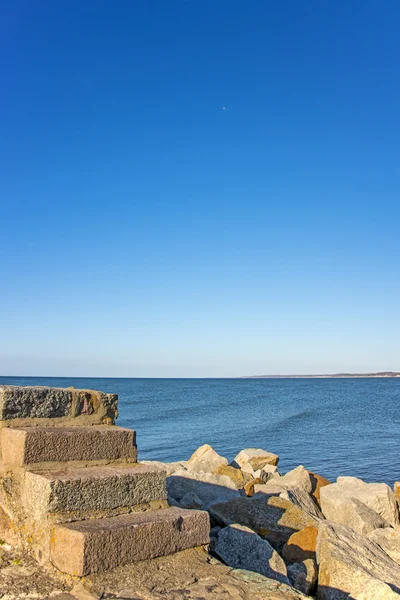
331,426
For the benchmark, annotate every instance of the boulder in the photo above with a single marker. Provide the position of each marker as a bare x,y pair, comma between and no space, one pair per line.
238,477
297,478
389,540
301,545
340,508
317,482
303,576
377,496
241,548
190,500
352,566
256,457
302,499
274,518
397,491
205,460
208,487
249,487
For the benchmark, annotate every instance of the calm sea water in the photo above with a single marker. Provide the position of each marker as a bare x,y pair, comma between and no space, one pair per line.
331,426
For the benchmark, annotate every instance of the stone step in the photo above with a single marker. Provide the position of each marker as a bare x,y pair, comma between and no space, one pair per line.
94,489
22,406
98,545
35,445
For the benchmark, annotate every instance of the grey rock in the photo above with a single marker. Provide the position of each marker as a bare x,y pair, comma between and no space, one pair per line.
191,500
338,507
18,402
377,496
301,498
209,488
241,548
303,576
272,517
352,566
389,540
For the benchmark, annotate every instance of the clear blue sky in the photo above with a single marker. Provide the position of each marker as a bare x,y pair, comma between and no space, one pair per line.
146,231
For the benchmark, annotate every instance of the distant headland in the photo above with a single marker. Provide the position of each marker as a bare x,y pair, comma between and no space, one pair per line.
331,376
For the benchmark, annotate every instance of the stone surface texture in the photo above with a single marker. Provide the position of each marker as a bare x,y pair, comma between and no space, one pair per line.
351,565
317,482
99,545
241,548
34,445
377,496
256,457
389,540
301,545
274,518
205,460
238,477
303,576
341,508
210,488
92,488
30,405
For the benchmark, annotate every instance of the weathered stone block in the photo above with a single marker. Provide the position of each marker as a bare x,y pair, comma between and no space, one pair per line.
26,406
102,544
92,488
34,445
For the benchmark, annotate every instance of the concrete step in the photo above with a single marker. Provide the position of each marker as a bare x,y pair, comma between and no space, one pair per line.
35,445
88,489
98,545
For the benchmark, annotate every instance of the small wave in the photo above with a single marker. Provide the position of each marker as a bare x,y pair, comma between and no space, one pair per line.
305,414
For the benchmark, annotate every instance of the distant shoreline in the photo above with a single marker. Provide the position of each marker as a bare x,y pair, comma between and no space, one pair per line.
382,375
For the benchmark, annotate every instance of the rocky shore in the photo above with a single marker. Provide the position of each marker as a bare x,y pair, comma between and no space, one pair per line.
327,540
81,518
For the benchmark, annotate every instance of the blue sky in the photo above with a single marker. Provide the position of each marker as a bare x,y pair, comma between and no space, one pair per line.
146,231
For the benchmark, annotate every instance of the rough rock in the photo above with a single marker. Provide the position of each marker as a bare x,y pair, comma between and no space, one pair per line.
274,518
377,496
20,405
317,482
190,500
389,540
94,545
340,508
351,565
238,477
241,548
302,499
257,458
249,487
205,460
208,487
303,576
297,478
35,445
168,468
301,545
396,488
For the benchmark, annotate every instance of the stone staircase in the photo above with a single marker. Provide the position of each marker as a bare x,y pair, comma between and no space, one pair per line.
72,491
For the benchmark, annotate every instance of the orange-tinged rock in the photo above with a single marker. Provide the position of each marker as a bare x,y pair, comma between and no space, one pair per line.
239,479
249,487
317,483
301,545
